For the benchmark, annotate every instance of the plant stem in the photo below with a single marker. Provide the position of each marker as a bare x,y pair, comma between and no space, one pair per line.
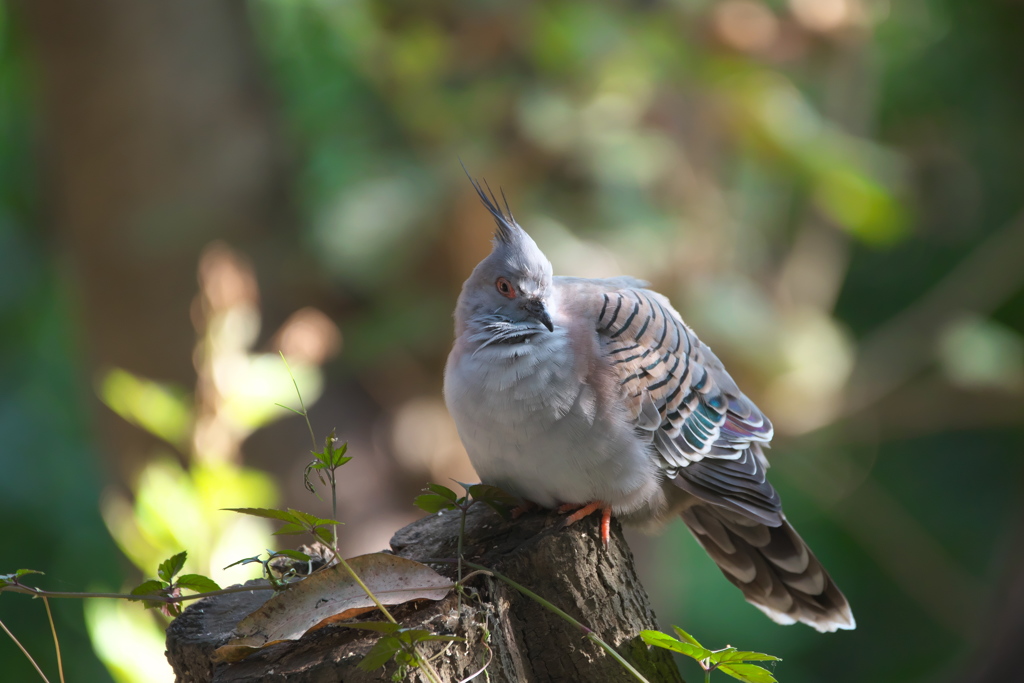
427,667
305,414
56,643
369,593
462,532
39,593
589,633
617,657
707,675
467,577
22,648
533,596
334,505
490,656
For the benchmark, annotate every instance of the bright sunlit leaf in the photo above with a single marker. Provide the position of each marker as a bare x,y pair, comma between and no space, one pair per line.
171,566
667,642
749,673
197,583
160,409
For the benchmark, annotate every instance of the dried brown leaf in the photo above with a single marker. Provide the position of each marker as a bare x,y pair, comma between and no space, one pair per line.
332,595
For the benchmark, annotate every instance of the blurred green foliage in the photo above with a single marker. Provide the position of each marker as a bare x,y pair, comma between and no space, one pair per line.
797,176
49,470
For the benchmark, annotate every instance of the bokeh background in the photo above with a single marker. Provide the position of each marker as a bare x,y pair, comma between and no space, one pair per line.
830,191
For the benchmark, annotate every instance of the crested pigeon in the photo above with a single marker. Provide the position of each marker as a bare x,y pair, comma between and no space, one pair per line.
595,394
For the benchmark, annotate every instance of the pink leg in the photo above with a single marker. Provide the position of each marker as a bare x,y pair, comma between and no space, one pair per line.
588,509
520,510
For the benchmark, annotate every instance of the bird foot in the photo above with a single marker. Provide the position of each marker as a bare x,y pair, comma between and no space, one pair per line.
582,511
524,507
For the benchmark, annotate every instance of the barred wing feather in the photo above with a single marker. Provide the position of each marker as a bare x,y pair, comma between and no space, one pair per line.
707,434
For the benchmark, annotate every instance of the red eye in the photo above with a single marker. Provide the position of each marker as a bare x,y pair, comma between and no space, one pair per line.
506,288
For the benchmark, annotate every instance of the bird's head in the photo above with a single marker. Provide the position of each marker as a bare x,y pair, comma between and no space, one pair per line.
510,289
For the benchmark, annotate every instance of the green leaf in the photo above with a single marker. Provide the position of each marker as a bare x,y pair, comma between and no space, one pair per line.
291,530
324,535
150,587
486,492
305,518
297,412
11,579
318,467
734,655
268,513
336,456
245,560
171,566
443,491
432,637
294,554
162,410
750,673
433,503
667,642
310,520
197,583
499,500
502,511
861,204
412,635
378,626
381,653
327,522
686,637
330,456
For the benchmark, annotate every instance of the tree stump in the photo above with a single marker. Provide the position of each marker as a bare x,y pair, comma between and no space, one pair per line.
528,644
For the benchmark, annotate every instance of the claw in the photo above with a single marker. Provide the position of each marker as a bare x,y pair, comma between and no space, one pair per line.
582,511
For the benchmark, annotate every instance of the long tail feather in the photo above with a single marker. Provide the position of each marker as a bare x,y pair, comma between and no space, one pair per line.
773,567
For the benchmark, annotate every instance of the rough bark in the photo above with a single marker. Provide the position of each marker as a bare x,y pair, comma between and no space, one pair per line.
567,566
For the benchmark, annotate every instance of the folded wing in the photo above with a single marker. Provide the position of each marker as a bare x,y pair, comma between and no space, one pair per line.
707,434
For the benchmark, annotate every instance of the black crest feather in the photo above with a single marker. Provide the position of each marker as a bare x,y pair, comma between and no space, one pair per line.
506,223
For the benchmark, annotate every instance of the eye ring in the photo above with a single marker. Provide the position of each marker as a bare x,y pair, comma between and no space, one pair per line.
505,288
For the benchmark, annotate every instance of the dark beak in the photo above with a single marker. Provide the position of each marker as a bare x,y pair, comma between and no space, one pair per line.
537,311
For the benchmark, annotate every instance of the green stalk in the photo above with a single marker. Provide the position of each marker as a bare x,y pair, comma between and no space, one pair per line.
56,643
334,510
462,532
25,652
366,589
424,663
427,668
39,593
590,634
304,413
